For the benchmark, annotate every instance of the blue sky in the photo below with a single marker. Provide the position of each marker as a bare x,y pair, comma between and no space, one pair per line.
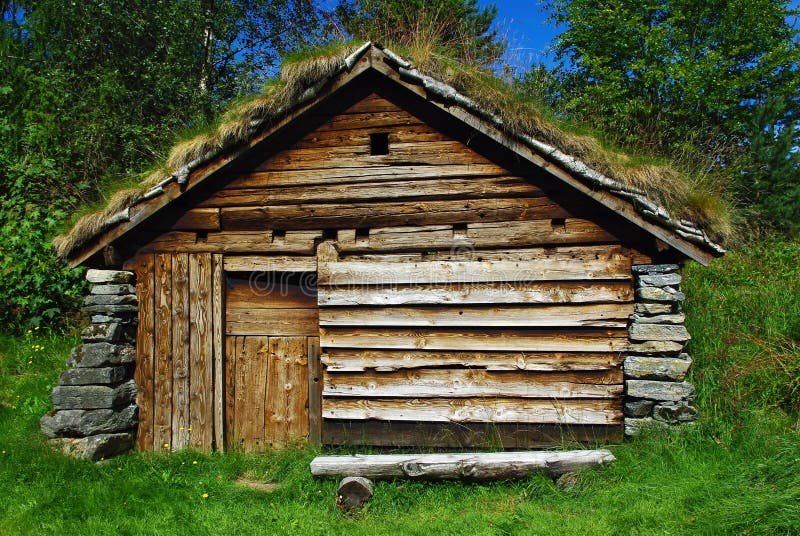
523,23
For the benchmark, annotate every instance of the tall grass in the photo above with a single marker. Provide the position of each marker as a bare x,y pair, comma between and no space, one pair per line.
735,472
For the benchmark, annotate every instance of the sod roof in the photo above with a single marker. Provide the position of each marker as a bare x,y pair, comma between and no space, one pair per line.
659,193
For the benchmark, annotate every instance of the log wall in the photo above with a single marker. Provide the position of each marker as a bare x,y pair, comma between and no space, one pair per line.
462,298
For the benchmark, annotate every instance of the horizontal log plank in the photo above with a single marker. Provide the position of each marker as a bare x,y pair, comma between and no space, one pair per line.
373,103
437,294
294,242
198,219
371,120
473,466
278,322
514,410
422,153
592,315
308,177
263,291
466,383
484,340
543,269
463,435
336,360
508,186
260,263
366,214
481,235
523,254
361,137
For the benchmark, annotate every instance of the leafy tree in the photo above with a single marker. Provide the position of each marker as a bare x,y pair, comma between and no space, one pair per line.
461,27
684,78
91,92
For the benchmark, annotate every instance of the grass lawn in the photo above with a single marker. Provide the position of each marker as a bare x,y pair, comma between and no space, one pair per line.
736,471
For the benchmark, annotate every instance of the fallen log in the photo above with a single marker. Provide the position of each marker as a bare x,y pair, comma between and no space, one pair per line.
467,466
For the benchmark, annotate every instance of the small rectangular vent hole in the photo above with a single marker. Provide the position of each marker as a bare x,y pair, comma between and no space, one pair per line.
559,225
379,143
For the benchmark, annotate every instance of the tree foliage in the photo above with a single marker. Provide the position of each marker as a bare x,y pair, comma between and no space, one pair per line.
91,92
460,27
688,79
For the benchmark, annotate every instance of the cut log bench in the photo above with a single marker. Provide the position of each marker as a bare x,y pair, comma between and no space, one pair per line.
467,466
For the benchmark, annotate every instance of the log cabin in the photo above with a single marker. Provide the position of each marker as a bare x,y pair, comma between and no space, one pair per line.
367,255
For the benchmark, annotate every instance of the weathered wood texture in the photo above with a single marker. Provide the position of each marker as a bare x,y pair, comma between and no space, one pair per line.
175,351
272,343
459,290
472,466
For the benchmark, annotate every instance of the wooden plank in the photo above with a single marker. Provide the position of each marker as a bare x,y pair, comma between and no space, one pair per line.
520,254
543,269
244,372
336,360
308,177
361,137
297,389
482,235
277,415
162,399
430,189
279,322
353,215
315,381
260,263
180,351
198,219
483,466
468,383
144,373
483,293
498,410
269,291
295,242
218,341
255,352
369,120
373,103
230,392
201,344
592,315
465,435
479,340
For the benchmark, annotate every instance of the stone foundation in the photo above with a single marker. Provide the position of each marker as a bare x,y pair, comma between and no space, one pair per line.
656,365
95,414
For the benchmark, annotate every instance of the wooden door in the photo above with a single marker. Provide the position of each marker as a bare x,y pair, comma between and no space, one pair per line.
271,327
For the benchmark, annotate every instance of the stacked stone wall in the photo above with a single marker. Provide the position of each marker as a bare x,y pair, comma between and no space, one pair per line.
656,366
95,414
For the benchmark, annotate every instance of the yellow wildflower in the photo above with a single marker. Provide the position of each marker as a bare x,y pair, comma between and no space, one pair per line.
194,462
166,445
204,495
35,328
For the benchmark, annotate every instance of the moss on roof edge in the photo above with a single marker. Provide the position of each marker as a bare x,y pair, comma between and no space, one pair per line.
302,81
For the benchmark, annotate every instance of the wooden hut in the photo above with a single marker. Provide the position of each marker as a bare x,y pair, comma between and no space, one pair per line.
369,256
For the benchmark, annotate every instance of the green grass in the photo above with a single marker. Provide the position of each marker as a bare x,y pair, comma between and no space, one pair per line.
735,472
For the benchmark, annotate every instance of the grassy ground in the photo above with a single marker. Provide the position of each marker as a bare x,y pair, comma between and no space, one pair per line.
735,472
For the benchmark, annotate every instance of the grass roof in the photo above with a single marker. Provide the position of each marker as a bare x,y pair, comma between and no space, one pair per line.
688,198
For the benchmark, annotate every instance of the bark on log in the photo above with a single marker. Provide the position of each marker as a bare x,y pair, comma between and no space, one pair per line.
468,466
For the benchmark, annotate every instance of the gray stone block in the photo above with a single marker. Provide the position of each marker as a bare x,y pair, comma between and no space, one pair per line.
635,426
655,308
93,396
668,348
659,280
658,332
657,368
657,294
105,277
110,299
654,268
82,423
674,412
95,447
125,320
95,376
638,408
113,289
105,332
677,318
658,390
111,310
101,354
